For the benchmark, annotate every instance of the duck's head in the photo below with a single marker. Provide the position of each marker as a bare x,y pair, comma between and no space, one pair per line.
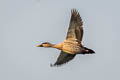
45,44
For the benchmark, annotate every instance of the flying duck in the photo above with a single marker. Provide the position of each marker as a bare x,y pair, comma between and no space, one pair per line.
72,45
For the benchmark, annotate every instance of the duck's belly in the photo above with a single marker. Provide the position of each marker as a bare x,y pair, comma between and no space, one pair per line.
71,48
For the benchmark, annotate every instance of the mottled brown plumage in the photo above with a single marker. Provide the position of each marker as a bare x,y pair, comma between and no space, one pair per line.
72,45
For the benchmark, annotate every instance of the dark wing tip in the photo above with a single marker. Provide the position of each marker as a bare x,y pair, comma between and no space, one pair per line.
74,12
75,16
57,64
53,65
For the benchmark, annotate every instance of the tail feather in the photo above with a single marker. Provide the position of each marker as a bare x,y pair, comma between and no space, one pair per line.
89,51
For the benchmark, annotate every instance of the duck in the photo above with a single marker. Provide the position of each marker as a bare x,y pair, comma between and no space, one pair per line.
72,45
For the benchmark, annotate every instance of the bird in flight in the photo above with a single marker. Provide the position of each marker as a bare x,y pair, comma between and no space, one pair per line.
72,45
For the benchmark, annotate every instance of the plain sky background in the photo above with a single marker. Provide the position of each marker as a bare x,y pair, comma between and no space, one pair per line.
26,23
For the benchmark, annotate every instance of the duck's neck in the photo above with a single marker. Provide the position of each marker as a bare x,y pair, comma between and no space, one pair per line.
58,46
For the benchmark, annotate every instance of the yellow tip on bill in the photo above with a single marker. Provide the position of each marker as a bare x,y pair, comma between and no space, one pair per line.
37,45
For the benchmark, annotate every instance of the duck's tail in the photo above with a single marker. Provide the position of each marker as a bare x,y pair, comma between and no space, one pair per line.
87,51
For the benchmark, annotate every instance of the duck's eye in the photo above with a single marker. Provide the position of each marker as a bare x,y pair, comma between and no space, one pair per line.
41,45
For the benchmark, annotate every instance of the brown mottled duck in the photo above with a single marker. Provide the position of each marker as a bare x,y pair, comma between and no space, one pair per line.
72,45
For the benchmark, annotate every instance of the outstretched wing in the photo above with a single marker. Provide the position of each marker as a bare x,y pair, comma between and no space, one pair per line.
75,30
63,58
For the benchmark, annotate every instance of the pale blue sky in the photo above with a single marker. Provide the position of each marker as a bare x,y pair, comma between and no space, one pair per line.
26,23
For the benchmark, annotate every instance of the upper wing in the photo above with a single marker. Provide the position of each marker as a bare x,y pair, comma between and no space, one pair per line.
63,58
75,30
